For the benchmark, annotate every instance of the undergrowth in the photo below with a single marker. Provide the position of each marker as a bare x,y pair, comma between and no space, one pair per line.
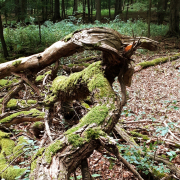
22,39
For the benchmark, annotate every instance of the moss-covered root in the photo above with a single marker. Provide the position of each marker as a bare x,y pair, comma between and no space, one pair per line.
7,145
155,62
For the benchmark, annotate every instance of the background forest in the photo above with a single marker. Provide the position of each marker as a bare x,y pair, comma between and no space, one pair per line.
151,115
28,24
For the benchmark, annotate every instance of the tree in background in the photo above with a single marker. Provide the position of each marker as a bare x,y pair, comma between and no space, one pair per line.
57,10
75,7
118,7
174,18
4,47
98,10
161,10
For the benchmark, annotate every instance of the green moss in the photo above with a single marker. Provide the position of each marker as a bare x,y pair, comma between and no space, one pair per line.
85,105
11,173
75,140
33,112
22,140
4,82
48,72
39,78
7,146
16,63
4,135
86,59
96,115
38,153
145,137
92,76
33,165
159,174
94,133
51,150
38,124
164,156
68,37
158,61
13,103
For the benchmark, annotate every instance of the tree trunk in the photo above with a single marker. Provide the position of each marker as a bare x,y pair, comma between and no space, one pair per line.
57,11
2,39
17,10
75,7
161,10
118,7
174,18
23,10
89,10
63,10
98,10
109,7
149,17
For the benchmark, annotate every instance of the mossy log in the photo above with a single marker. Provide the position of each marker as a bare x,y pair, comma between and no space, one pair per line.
154,62
62,156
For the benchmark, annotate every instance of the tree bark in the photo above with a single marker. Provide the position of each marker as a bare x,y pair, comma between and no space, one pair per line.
161,10
98,10
57,10
149,18
5,52
174,18
75,7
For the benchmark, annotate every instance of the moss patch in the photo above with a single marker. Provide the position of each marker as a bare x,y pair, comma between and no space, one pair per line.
158,61
22,140
96,115
51,150
16,63
33,112
39,78
11,173
75,140
136,134
68,37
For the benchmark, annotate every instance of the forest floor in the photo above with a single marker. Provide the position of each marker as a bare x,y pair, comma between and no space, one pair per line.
153,109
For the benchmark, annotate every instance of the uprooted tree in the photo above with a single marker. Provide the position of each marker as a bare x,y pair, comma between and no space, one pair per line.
83,98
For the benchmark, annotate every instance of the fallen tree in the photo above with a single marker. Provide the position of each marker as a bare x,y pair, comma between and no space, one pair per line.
85,100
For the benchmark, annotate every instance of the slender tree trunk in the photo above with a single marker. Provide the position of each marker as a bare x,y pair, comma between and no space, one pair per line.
174,18
98,10
84,10
56,10
118,7
161,10
63,10
109,7
75,7
89,11
127,10
23,10
149,17
2,39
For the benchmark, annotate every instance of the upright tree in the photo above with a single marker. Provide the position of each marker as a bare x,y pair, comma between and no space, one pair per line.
57,10
118,7
174,18
161,10
149,17
75,6
98,10
2,39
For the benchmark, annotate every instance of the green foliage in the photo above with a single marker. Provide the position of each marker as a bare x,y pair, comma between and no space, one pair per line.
26,38
145,163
